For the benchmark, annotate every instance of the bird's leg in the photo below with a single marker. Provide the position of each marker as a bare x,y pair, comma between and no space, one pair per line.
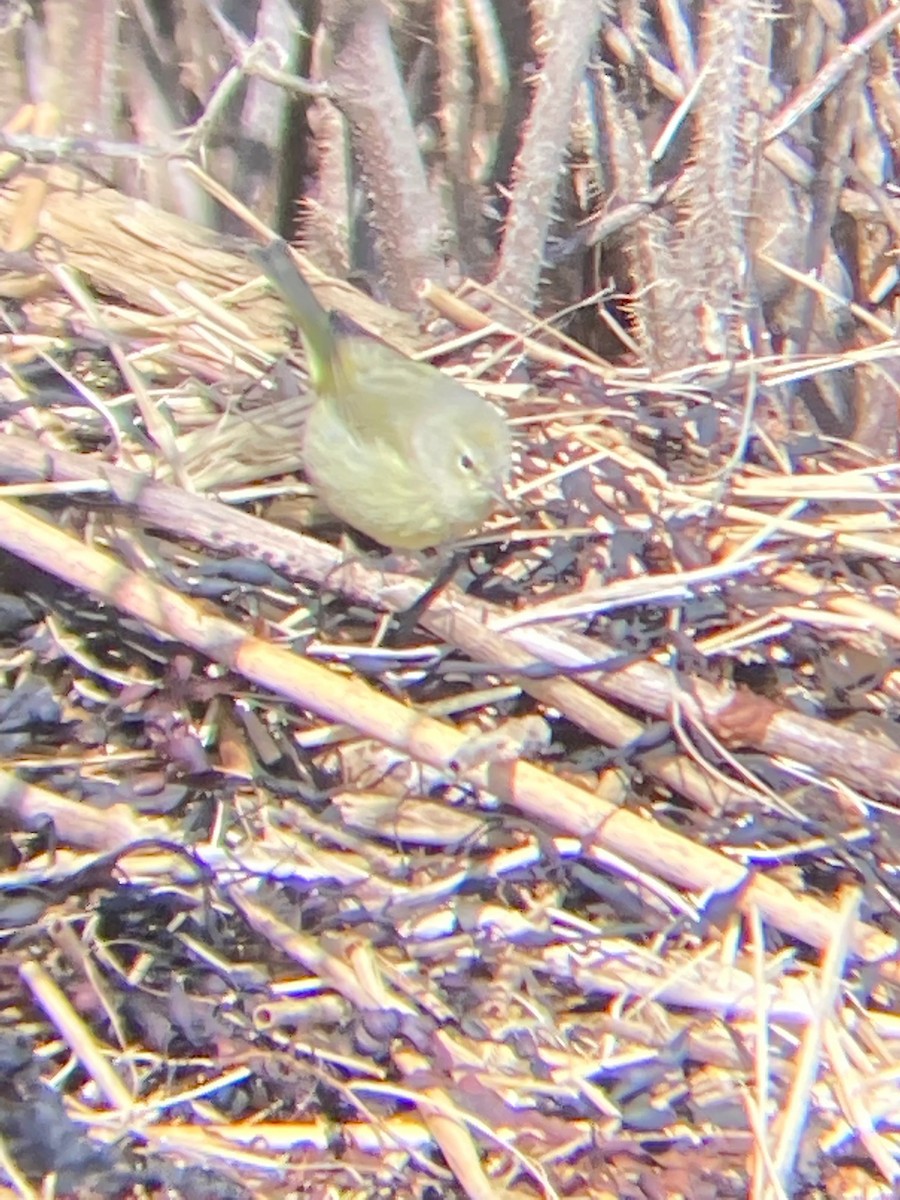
406,620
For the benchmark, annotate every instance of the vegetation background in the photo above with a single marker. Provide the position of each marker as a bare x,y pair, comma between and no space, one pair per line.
577,876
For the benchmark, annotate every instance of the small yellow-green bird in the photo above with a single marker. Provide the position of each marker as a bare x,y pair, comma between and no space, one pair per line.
395,448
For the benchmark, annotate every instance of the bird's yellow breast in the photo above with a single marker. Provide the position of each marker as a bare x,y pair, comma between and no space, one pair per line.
380,487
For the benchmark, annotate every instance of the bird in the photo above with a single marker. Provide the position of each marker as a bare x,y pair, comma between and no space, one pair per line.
395,448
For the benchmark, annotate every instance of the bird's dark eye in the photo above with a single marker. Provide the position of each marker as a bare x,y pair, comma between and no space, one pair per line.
467,462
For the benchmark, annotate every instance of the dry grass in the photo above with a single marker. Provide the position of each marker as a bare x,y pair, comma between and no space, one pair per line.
580,881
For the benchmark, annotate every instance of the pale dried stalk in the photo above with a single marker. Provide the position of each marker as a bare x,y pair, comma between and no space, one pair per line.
493,85
808,56
662,323
13,70
212,1142
455,84
244,448
587,159
569,28
130,248
834,969
25,220
852,1093
259,178
663,79
326,217
21,1189
537,793
366,81
127,247
689,980
447,1125
831,74
320,959
633,19
680,40
831,402
719,186
831,751
477,629
450,617
77,1035
456,116
884,81
83,64
76,824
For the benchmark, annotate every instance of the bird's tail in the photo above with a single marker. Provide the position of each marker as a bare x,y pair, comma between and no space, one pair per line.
277,262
